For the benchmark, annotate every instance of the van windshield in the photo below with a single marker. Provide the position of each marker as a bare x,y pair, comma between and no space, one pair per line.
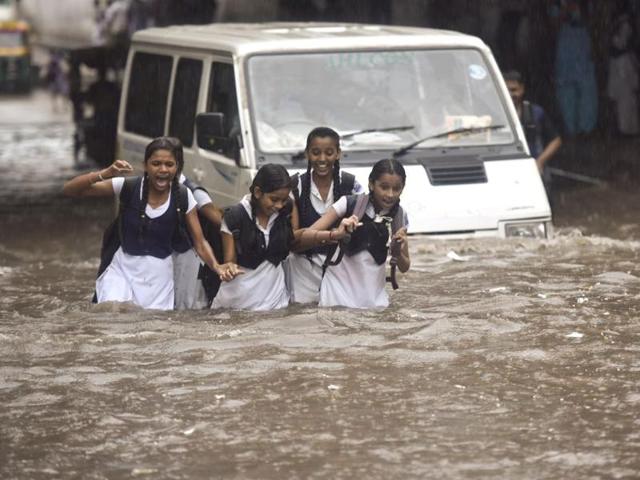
392,98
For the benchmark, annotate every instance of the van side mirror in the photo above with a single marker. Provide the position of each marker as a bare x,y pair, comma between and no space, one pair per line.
210,131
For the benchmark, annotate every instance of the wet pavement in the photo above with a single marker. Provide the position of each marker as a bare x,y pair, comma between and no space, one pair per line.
521,359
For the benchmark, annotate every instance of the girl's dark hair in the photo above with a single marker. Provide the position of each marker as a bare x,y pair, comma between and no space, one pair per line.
305,194
513,76
390,166
270,177
323,132
174,146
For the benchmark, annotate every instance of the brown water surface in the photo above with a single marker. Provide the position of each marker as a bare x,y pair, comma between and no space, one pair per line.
521,362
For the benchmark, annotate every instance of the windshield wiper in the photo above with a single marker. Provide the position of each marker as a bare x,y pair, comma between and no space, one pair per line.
300,155
462,131
401,128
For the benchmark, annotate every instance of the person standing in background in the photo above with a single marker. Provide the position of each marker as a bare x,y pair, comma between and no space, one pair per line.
542,136
576,88
57,82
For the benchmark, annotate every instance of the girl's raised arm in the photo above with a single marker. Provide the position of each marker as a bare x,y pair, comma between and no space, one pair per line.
96,184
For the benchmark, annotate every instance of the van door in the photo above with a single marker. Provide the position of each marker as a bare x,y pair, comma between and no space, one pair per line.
217,165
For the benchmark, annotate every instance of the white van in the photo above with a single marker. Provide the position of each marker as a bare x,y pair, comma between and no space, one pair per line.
242,95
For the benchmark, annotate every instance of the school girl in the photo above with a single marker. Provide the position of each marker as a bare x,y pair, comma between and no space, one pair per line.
192,285
317,189
257,235
378,225
141,269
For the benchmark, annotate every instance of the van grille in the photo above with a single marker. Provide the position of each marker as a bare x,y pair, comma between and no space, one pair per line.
457,175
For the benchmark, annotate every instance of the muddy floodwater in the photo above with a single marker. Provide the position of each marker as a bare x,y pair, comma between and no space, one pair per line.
510,359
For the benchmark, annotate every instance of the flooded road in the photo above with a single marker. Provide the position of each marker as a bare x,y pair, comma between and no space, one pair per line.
521,361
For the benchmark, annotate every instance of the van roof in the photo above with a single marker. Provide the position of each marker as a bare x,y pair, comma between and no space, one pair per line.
246,38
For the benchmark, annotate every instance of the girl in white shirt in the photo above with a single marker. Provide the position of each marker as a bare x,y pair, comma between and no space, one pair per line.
195,284
141,270
317,189
256,235
358,279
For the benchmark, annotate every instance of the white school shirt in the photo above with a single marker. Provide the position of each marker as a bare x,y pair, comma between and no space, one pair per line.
145,280
260,289
357,281
305,273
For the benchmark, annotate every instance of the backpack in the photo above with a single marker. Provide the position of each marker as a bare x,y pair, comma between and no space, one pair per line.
249,244
112,237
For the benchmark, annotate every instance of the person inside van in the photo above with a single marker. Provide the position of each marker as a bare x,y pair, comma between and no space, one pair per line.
355,277
316,190
152,219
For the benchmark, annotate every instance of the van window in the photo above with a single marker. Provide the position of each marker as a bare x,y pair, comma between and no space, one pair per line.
185,99
148,92
222,98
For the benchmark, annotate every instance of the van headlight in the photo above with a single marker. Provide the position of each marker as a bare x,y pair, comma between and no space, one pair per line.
527,230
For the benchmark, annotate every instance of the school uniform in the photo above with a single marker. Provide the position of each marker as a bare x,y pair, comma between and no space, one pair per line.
262,285
189,291
142,271
358,281
304,270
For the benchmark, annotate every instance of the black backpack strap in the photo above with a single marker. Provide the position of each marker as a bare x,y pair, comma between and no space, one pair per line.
295,180
528,118
193,186
347,182
360,206
356,205
128,187
398,220
181,209
183,203
233,219
396,224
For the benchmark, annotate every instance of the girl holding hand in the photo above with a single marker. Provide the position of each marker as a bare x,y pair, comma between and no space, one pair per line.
141,270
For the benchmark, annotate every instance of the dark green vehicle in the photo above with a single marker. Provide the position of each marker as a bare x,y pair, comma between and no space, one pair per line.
15,57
